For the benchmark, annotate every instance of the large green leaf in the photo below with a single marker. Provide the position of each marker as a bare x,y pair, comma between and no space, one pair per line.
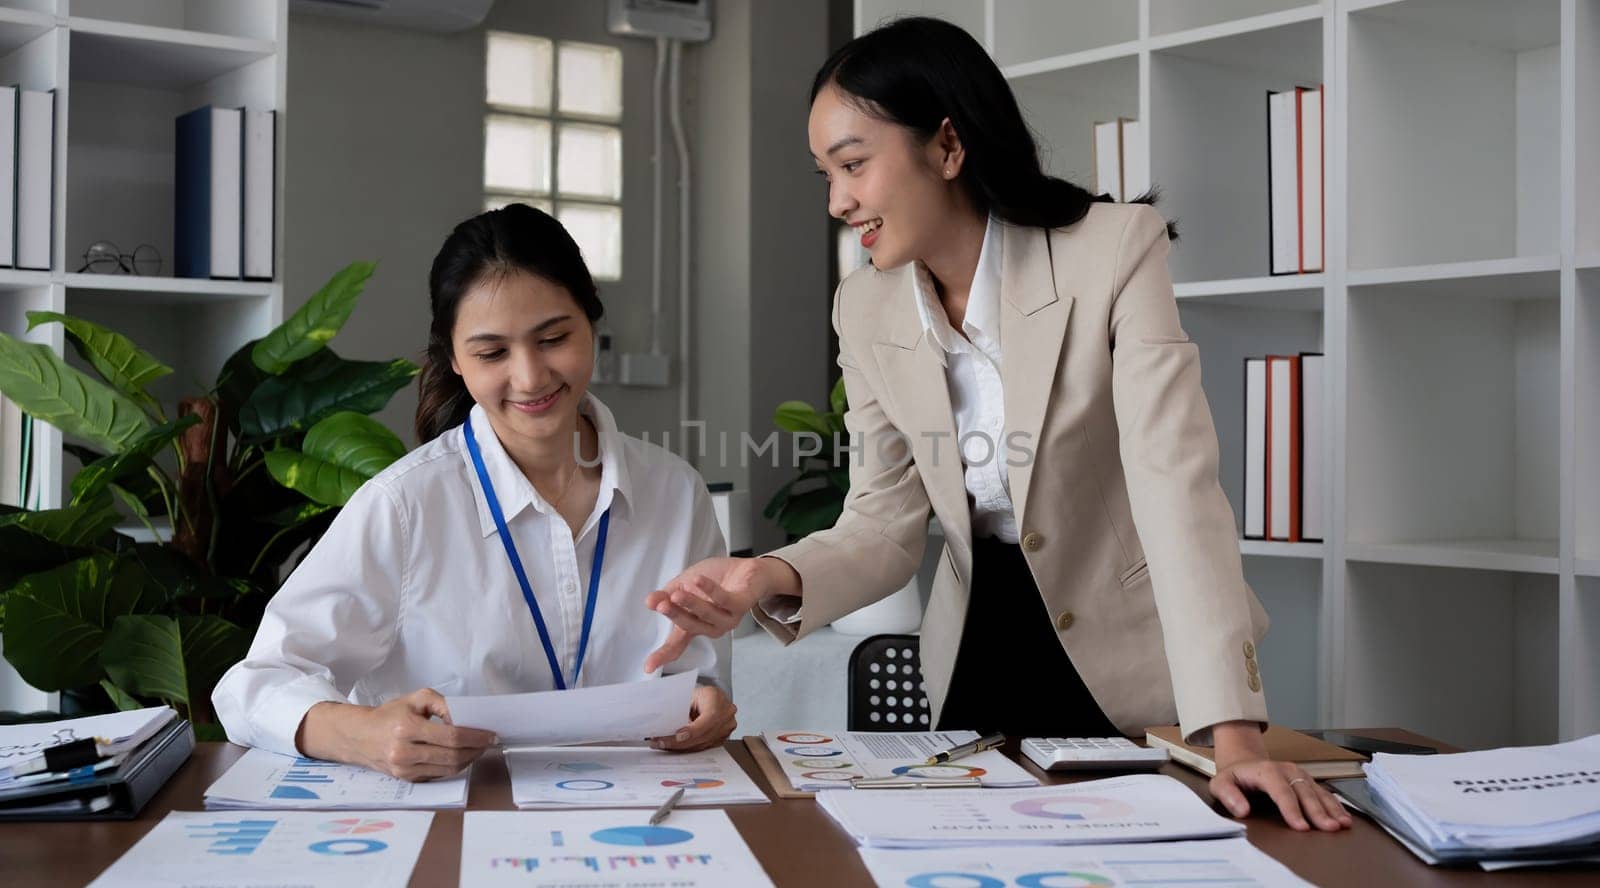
56,620
287,404
171,575
98,475
811,511
341,453
126,366
798,417
836,398
176,659
317,322
46,388
76,525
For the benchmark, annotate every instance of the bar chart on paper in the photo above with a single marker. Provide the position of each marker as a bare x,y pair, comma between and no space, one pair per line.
262,780
1223,863
626,777
306,848
615,849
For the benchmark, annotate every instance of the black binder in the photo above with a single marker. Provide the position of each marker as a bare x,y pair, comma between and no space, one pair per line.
116,794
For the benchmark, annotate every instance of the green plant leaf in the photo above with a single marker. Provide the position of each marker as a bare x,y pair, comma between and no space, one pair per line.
341,453
798,417
296,514
23,552
175,659
47,389
836,398
119,697
317,322
127,367
56,621
811,511
171,575
96,476
77,525
286,404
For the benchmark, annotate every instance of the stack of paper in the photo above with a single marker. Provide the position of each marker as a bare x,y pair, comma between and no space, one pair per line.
115,734
605,849
1234,863
289,848
1542,799
1138,808
266,780
626,777
632,710
814,761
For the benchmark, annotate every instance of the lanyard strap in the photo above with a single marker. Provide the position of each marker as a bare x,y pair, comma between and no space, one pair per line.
522,575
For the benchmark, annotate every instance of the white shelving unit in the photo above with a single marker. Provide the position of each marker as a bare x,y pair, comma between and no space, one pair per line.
1458,592
122,72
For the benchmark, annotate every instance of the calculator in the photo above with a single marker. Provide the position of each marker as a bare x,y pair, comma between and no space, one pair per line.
1092,753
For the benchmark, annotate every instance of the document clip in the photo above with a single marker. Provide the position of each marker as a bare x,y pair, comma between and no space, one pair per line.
918,783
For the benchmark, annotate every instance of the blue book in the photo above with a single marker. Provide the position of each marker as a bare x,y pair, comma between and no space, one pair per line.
208,213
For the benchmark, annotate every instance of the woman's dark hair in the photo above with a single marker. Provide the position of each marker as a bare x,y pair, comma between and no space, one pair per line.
514,238
916,72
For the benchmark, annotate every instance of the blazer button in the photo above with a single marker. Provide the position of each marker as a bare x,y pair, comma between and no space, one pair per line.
1251,667
1065,621
1032,542
1249,650
1254,681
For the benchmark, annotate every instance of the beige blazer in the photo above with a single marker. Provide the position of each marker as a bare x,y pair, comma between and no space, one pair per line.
1122,521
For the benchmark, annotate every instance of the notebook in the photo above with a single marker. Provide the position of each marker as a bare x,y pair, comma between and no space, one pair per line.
1321,760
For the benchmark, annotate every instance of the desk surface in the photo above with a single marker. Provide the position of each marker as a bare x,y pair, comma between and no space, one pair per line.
795,841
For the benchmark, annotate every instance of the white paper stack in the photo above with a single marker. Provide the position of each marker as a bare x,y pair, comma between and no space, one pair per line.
1234,863
814,761
1512,799
1137,808
267,780
116,733
626,777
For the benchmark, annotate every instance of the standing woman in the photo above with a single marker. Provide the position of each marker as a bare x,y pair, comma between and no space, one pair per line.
1014,362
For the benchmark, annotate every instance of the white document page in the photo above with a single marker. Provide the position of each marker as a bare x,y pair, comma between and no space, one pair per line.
614,849
307,850
261,779
1228,863
633,710
626,777
1137,808
120,731
814,761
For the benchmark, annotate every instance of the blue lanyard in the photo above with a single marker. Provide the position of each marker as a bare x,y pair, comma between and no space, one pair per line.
522,575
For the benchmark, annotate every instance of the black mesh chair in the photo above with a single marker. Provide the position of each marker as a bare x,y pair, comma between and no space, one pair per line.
886,688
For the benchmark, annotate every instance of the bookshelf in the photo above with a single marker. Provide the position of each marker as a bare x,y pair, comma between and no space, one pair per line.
122,72
1458,591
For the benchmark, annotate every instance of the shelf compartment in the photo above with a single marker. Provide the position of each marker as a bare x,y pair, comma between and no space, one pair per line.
1062,106
1226,335
1453,427
1586,489
158,57
239,19
19,27
1531,277
1453,131
1467,656
1290,590
1185,19
1208,150
155,290
1523,556
1031,30
1275,549
1288,292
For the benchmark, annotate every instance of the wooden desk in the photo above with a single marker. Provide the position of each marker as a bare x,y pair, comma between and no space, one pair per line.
795,841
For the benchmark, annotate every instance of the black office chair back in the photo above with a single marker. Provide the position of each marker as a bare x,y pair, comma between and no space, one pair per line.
886,690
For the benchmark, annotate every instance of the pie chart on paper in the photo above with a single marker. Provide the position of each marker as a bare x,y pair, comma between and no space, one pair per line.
355,826
693,783
641,836
1072,808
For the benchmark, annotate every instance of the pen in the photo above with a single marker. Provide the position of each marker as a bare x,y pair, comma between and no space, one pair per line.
62,757
666,807
978,745
904,783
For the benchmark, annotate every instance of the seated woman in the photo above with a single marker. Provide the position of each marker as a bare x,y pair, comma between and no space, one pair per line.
511,552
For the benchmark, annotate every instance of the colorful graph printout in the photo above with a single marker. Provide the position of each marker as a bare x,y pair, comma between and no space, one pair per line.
626,777
267,780
807,756
1219,863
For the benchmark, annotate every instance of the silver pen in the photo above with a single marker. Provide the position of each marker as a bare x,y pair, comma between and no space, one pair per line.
666,807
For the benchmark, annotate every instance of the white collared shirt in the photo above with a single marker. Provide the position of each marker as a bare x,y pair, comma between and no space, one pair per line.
972,373
412,588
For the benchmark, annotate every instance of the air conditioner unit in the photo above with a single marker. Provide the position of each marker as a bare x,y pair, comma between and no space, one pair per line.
423,15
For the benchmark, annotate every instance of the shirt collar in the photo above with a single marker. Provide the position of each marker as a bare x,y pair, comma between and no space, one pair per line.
983,299
516,493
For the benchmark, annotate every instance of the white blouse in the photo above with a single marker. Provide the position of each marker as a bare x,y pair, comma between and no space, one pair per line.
972,373
411,586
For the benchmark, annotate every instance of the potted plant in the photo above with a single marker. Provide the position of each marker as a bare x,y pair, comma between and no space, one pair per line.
814,499
246,475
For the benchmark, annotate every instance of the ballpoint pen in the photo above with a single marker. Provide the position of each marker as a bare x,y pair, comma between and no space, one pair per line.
977,745
666,807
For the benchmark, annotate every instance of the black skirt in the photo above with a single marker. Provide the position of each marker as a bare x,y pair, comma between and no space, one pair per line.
1011,674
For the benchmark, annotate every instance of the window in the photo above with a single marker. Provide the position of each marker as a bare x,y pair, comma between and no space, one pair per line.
552,138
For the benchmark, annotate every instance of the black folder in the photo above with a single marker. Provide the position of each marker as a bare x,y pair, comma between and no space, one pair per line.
116,794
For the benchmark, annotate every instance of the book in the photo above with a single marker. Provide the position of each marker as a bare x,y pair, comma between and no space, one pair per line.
1255,448
35,171
1283,182
207,217
1283,448
1135,160
260,131
1313,462
8,176
1310,145
1321,760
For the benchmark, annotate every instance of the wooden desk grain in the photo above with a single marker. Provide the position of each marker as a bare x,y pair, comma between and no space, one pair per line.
795,841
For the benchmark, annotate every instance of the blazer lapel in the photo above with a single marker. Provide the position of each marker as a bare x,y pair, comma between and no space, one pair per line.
912,370
1033,325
